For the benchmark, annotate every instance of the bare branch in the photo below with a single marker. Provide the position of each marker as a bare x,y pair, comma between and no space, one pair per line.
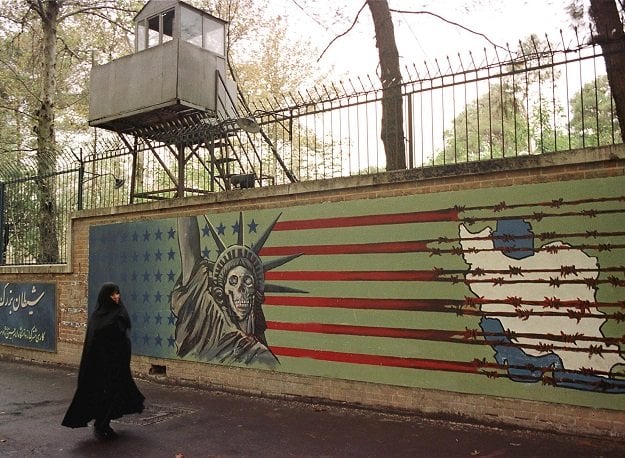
344,33
16,110
410,12
37,7
449,22
95,11
22,21
306,13
19,79
75,102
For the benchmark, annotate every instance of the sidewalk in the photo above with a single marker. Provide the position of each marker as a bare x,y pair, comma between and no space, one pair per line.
198,423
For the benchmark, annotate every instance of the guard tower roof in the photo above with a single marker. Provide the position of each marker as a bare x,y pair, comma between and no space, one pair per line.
154,7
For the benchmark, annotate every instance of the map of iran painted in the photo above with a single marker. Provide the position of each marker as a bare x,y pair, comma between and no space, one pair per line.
537,342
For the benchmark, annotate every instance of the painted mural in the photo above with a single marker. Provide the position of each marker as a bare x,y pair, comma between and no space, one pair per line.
517,291
218,305
28,315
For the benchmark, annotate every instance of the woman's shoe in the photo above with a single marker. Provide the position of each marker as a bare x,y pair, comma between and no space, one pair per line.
104,433
110,431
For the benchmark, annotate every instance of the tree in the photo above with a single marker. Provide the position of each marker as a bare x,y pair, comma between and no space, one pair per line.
41,22
392,132
512,117
272,66
278,70
14,112
48,13
593,123
488,128
611,37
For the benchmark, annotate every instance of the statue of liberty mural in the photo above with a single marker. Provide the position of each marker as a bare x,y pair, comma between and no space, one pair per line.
218,305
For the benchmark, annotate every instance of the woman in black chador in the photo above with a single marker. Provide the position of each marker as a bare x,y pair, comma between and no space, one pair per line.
106,389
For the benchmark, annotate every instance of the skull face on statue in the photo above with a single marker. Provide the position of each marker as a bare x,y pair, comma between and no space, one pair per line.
239,289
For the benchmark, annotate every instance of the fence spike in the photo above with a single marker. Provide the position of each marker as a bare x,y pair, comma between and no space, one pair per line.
577,36
362,85
533,40
427,68
371,82
352,84
549,45
416,71
473,61
343,87
262,105
310,98
301,96
408,75
319,96
449,69
440,73
286,100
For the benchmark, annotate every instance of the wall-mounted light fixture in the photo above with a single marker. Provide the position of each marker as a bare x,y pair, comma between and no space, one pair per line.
118,183
248,124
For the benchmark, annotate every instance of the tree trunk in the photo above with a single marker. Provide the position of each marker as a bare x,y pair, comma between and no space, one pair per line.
611,37
46,142
392,103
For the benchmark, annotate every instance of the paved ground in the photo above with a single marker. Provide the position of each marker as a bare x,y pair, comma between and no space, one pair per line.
198,423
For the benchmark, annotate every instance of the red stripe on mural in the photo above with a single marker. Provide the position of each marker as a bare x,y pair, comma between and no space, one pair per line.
388,361
317,275
353,248
367,331
450,214
361,303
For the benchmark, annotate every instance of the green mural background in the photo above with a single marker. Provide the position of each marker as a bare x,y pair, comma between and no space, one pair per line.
386,292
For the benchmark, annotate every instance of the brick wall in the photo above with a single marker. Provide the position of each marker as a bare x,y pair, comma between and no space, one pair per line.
72,292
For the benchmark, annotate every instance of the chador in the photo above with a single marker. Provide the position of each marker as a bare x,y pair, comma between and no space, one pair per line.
106,389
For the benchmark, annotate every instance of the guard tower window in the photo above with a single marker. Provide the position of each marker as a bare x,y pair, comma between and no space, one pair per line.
202,31
168,26
140,36
155,30
191,26
214,39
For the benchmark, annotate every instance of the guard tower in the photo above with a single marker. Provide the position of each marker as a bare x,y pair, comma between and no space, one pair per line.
174,90
177,74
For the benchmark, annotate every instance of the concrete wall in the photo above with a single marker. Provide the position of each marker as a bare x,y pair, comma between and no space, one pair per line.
490,291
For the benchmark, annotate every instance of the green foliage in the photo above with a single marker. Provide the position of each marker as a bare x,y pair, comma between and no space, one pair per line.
17,104
82,39
494,126
275,68
521,116
594,121
547,133
21,217
42,115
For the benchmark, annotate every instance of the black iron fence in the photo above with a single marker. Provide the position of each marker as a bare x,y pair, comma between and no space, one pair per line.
541,97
